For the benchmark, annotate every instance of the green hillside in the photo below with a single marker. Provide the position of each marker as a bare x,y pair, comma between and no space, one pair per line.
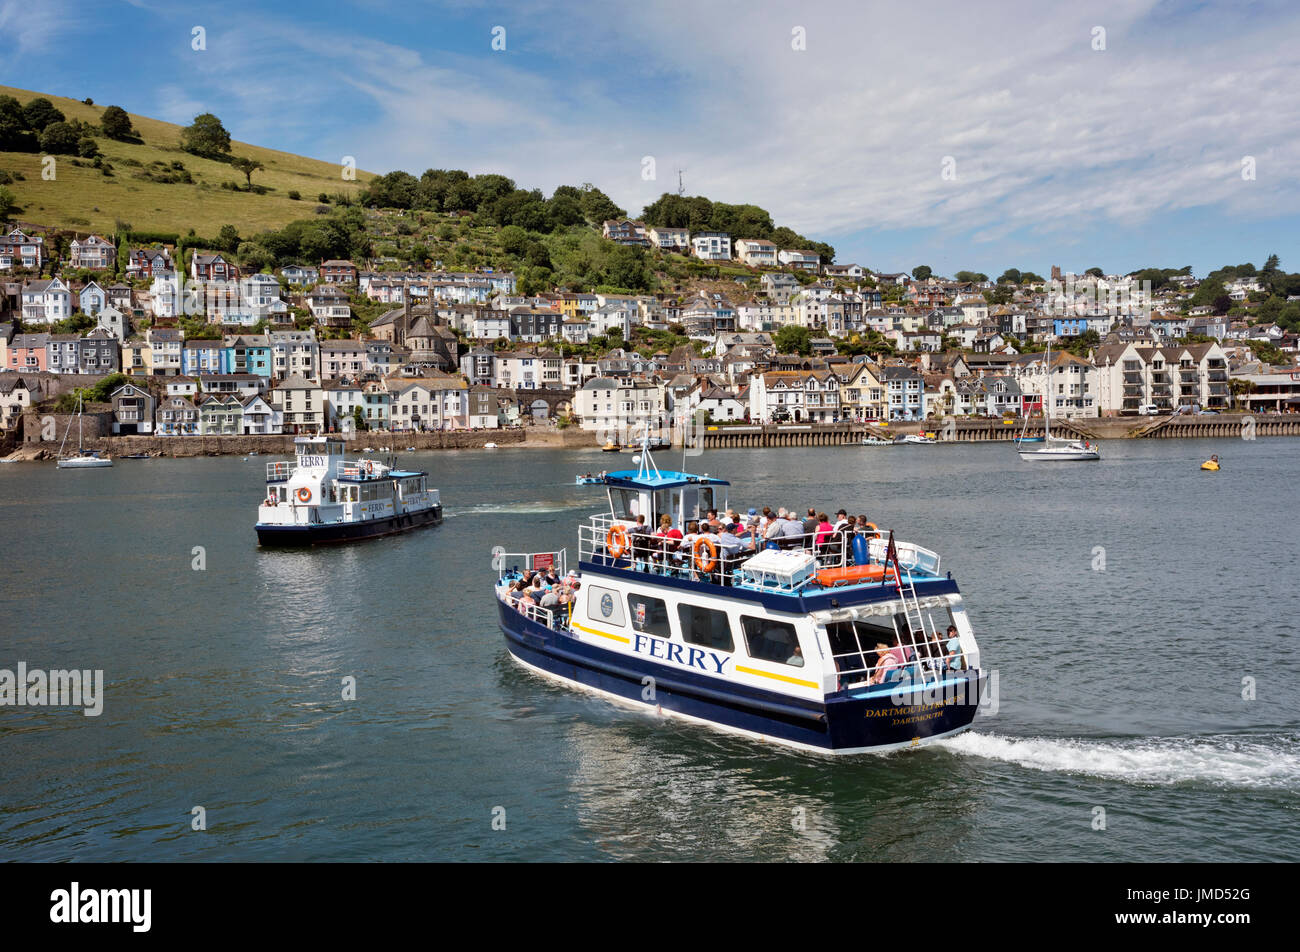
82,197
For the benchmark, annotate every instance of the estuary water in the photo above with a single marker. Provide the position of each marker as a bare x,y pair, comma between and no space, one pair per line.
1141,615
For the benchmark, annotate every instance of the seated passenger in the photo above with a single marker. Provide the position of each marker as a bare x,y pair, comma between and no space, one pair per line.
888,664
667,539
639,543
792,536
796,657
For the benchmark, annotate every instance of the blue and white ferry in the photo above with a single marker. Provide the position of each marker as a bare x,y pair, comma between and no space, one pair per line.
321,497
836,644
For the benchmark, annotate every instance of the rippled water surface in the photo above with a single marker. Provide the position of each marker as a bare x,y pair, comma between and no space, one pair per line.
1120,688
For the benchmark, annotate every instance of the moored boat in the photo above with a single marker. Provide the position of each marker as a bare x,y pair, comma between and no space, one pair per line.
321,497
85,459
837,645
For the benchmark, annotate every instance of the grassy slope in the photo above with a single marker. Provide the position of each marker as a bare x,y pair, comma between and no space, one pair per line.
84,193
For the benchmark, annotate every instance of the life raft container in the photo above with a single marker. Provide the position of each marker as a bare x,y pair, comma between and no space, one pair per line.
851,575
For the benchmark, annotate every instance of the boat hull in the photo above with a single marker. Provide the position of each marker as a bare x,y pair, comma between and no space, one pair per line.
1042,456
299,536
845,723
84,463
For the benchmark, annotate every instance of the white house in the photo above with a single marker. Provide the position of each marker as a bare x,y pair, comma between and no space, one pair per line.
756,253
801,260
45,302
711,245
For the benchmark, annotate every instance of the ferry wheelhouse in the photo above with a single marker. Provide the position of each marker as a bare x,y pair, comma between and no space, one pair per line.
837,644
321,497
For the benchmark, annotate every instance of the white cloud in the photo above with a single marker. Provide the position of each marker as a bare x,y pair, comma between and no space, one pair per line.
1047,134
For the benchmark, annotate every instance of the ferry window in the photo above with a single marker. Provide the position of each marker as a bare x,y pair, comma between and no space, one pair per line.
706,627
664,504
604,605
623,503
649,615
771,640
851,654
706,499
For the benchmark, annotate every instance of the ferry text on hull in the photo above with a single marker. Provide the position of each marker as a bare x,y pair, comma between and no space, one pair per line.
836,642
320,497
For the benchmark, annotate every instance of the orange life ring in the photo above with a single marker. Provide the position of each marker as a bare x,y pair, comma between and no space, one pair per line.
700,563
875,533
616,541
370,467
304,494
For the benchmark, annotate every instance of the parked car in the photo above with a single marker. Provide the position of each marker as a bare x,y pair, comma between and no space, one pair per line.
1148,409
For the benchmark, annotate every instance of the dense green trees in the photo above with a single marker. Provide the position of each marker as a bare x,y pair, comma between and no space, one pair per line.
921,272
739,221
206,136
59,138
793,339
40,113
116,124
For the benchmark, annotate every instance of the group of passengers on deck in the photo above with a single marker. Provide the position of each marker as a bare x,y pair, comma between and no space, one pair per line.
732,539
543,589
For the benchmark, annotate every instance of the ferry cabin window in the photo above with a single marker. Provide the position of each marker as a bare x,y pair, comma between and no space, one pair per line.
649,615
706,499
705,627
624,503
664,506
771,640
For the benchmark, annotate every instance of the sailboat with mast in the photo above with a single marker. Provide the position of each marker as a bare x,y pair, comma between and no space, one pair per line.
1057,449
84,459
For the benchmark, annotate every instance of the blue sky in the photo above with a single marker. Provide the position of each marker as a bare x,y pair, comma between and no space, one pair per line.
1061,152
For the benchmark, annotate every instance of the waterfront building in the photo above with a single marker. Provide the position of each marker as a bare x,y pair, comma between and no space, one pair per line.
177,416
133,410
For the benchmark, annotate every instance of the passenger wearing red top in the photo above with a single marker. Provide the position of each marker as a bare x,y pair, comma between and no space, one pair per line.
669,536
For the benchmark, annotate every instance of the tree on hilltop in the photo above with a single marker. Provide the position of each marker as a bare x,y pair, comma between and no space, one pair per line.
117,124
206,136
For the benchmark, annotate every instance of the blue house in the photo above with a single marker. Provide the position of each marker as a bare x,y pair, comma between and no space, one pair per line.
246,354
201,357
92,299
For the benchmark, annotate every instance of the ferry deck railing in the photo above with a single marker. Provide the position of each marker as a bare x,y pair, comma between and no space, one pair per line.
359,469
514,563
687,558
280,471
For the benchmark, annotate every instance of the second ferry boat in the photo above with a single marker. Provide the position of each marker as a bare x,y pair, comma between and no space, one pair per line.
836,643
320,497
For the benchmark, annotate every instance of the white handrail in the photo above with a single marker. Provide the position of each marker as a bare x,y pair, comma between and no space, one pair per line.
657,555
